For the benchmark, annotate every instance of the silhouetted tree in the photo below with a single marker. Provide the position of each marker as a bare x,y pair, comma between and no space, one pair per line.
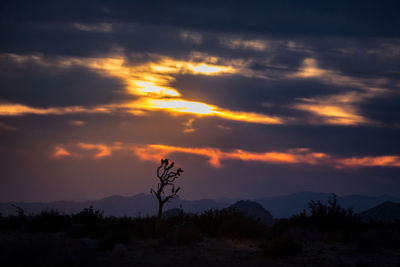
167,177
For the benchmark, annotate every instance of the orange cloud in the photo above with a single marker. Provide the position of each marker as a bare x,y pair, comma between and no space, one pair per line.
102,150
78,150
292,156
215,156
77,123
147,152
379,161
60,152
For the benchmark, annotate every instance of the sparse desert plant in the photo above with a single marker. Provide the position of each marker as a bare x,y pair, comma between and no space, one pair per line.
14,222
328,216
331,215
3,223
88,215
232,224
50,221
166,178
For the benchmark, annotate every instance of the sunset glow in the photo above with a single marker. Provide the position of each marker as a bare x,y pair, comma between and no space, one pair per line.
215,156
270,98
17,110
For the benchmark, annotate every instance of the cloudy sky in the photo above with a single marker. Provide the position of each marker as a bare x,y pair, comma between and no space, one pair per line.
250,99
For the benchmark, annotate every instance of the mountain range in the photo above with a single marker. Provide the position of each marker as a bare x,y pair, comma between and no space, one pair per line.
141,205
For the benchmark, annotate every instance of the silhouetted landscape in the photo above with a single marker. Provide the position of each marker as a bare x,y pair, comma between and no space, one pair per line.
143,204
242,233
200,133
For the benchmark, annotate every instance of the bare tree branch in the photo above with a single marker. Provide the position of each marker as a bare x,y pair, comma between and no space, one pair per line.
167,177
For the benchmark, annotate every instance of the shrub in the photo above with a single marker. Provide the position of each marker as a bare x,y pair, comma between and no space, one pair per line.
14,222
3,223
50,221
328,216
88,215
232,224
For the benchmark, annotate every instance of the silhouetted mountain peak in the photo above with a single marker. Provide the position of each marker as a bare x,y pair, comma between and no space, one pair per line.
253,209
387,211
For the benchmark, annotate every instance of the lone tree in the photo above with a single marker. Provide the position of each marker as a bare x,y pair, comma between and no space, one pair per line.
167,178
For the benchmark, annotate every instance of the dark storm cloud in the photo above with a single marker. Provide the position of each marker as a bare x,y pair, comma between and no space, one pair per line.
48,25
359,57
258,95
45,86
340,141
384,109
363,18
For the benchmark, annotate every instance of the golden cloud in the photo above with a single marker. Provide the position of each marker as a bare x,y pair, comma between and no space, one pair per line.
150,82
11,109
337,109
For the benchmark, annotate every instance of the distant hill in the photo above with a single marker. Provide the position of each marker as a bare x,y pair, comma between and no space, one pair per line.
385,212
143,204
285,206
254,210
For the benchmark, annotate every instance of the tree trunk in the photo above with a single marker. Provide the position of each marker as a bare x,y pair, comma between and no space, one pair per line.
160,208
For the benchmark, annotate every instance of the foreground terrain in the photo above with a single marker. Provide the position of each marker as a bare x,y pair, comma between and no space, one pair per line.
242,235
57,249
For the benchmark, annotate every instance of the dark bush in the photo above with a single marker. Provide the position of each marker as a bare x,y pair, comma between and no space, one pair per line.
88,215
328,216
50,221
15,222
231,224
3,223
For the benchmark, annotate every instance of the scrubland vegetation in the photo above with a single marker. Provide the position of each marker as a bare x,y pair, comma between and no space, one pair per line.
326,230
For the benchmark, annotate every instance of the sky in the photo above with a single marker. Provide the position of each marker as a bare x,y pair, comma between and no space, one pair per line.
250,98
